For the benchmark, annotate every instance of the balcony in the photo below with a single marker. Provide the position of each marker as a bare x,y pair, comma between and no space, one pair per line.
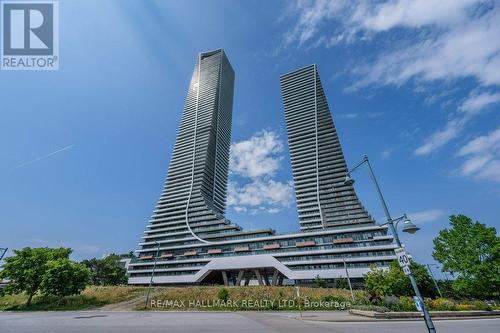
305,244
242,249
272,246
346,240
214,251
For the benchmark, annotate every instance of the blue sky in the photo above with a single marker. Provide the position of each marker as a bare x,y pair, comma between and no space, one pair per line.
415,85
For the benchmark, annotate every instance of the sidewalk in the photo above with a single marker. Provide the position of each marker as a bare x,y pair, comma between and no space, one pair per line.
372,316
434,314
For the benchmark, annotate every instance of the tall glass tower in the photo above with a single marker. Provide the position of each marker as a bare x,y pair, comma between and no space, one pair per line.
189,241
191,206
195,188
318,164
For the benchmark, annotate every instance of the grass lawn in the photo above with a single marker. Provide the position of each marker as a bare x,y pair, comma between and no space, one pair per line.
217,298
91,297
189,298
252,298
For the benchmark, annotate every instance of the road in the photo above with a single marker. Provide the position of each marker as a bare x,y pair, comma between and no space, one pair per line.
220,322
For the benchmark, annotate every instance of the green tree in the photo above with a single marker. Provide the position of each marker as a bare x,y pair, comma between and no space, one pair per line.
376,282
64,277
319,282
341,283
26,268
401,285
446,287
472,251
394,281
107,271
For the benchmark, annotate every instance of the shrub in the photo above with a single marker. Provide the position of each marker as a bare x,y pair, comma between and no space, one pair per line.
319,282
223,294
407,303
393,281
441,304
341,283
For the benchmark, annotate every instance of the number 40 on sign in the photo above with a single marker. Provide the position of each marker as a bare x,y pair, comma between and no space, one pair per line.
403,259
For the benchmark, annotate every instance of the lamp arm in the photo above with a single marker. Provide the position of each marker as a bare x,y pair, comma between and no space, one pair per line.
397,220
365,159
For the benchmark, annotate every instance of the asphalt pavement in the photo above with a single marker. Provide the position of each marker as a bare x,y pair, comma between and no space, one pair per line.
220,322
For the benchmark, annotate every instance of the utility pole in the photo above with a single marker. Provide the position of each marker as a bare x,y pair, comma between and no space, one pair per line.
433,279
152,274
348,280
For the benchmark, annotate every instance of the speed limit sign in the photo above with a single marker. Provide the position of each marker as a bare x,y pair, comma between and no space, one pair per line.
403,259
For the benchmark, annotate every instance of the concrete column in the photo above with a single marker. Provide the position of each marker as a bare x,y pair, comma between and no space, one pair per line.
224,277
266,279
275,278
280,280
240,276
259,277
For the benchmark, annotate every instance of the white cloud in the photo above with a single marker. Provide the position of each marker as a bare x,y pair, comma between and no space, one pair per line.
258,159
445,40
474,104
482,144
475,164
354,115
441,137
258,156
358,19
470,49
482,157
424,216
386,153
240,209
456,39
311,15
477,102
260,192
349,115
490,172
411,13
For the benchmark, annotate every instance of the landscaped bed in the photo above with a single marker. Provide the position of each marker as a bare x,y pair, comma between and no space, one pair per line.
216,298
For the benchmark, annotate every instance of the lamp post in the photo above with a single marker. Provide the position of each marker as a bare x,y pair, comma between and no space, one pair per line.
3,251
408,227
433,279
152,274
348,280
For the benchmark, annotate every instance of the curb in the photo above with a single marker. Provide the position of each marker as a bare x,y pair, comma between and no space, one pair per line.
434,314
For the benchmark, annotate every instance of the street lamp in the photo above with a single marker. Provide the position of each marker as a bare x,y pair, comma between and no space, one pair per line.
433,278
348,280
408,227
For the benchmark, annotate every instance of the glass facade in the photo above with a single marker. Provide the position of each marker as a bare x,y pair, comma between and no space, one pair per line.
188,224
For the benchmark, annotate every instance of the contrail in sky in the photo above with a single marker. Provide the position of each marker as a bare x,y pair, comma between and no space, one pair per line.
44,156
